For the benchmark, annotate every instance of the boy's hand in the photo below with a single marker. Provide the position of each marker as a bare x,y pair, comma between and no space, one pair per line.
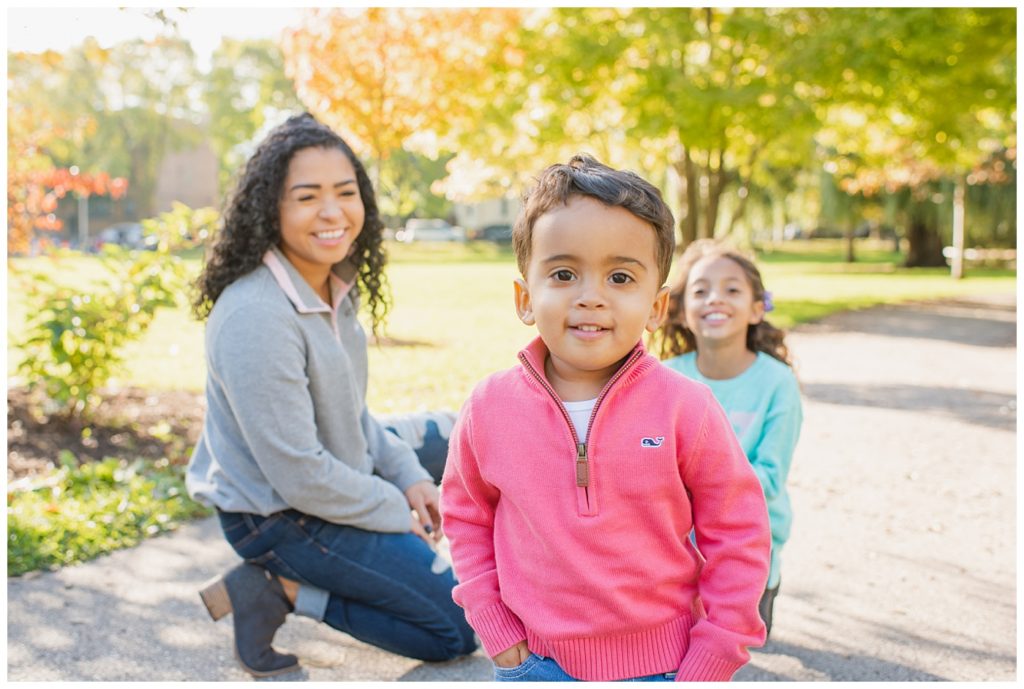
511,657
424,499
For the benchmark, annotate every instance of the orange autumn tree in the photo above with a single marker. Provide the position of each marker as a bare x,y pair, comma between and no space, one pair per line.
34,183
32,198
29,204
380,75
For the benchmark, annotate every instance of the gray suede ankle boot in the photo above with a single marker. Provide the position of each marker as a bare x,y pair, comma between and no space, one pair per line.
260,606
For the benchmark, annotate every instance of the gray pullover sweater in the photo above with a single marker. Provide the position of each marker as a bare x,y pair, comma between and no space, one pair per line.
286,421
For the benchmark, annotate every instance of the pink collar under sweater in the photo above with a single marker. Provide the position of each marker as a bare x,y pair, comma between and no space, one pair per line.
589,560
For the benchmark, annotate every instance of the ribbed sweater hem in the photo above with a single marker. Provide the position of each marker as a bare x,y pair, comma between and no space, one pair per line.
611,658
498,628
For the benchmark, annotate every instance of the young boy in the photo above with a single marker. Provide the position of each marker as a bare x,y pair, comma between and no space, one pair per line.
574,479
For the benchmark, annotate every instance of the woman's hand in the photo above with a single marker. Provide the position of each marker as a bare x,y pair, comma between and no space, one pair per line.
424,499
512,657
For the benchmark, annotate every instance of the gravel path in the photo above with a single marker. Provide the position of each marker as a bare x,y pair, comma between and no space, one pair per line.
901,565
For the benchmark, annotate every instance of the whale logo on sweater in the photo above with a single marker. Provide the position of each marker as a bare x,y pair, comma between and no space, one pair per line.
652,442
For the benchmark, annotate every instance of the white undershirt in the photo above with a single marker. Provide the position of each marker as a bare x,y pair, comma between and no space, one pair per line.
579,412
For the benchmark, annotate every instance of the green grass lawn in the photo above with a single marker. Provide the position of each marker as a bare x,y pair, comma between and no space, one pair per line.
809,280
453,320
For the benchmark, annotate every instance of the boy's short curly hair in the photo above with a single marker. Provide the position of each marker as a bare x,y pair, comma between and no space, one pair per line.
584,175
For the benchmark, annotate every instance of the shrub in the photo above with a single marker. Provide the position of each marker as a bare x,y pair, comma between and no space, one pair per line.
75,339
75,513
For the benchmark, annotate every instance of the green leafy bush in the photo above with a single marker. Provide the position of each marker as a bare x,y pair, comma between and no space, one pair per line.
76,513
75,338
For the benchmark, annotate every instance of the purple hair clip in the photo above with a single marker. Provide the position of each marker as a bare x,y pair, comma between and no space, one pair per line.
768,303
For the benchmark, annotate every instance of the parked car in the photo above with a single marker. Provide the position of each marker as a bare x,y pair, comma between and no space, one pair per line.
868,229
823,232
126,234
430,230
499,234
792,231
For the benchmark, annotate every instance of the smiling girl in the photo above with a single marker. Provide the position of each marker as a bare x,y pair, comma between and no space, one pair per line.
716,333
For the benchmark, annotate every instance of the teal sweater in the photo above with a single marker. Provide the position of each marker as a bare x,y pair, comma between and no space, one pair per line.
763,406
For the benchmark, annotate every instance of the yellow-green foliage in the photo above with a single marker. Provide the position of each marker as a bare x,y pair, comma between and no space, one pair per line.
76,335
76,513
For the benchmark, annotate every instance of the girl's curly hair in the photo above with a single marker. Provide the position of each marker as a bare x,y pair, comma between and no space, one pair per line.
252,221
674,338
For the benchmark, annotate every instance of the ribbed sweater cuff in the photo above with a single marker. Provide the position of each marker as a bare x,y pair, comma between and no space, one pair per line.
411,476
700,665
498,628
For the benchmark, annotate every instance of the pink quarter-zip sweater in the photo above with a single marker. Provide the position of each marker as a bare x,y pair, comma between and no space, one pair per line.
583,549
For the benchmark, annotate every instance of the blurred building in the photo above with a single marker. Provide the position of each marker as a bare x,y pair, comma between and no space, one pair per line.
189,177
477,215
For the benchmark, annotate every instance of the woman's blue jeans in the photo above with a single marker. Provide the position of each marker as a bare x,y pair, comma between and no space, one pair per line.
537,668
381,588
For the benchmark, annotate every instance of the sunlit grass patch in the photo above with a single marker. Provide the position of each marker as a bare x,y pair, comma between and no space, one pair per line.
453,320
76,513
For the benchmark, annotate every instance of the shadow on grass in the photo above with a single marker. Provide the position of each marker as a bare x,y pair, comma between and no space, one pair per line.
799,312
830,251
397,342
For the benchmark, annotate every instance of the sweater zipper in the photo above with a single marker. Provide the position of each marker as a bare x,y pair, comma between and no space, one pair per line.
582,459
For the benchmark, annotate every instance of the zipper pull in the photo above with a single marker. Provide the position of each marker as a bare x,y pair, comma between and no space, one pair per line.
582,469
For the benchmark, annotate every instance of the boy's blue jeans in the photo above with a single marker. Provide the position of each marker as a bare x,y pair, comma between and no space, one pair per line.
537,668
381,588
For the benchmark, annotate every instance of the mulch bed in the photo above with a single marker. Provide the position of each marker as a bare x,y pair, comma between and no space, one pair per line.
129,423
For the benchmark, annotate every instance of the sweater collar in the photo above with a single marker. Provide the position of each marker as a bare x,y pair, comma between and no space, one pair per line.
298,291
536,353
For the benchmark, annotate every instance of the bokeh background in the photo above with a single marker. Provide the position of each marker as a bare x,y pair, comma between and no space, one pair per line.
864,155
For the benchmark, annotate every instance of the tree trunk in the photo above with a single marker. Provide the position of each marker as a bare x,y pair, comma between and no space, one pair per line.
741,209
83,222
924,248
779,220
697,206
689,198
373,171
959,240
142,182
716,183
891,212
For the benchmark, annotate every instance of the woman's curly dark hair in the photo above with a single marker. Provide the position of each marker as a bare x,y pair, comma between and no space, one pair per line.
252,220
674,338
